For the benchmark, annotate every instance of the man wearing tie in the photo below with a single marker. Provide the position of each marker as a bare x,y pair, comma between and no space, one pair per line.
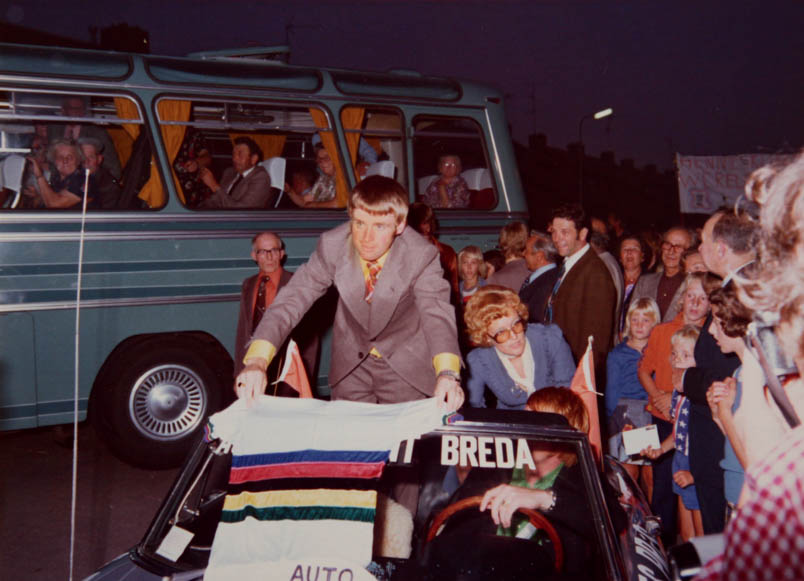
258,292
583,299
394,336
244,185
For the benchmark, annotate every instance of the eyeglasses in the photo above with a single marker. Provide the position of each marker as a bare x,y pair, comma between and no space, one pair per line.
674,247
268,251
504,335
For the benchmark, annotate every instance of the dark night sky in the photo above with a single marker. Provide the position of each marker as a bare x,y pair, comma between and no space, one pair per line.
696,77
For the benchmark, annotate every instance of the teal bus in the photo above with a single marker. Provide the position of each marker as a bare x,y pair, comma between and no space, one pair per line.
161,275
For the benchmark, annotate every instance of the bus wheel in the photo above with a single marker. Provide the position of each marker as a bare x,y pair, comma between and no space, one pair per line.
158,401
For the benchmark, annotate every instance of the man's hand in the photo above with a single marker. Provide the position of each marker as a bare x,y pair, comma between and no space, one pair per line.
209,180
448,392
504,500
251,382
662,403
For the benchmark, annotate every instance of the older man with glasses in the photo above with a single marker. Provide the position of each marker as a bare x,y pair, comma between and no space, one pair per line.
664,286
257,294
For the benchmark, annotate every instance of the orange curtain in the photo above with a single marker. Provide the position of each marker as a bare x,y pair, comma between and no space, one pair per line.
352,118
328,139
151,192
173,135
271,145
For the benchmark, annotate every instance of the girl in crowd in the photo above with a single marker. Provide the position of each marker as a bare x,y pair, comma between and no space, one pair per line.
514,358
625,397
471,271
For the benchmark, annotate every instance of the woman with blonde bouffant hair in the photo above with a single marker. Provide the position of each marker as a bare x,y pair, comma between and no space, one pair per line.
513,358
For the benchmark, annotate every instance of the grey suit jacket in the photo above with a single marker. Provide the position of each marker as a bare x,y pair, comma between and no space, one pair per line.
409,320
648,286
253,191
512,275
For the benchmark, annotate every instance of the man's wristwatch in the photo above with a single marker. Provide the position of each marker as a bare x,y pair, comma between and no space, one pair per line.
449,373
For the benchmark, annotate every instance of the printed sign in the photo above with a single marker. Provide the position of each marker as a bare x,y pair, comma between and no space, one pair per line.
707,182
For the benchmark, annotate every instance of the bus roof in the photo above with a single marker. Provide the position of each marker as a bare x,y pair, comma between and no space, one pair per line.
242,73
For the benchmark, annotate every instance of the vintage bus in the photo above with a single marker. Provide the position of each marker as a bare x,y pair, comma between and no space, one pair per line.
161,274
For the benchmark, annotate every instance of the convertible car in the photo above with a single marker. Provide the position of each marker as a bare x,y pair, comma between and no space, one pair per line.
598,524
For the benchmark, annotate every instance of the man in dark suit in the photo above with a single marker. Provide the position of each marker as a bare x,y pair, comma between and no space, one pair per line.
541,258
257,294
244,185
394,336
728,243
584,298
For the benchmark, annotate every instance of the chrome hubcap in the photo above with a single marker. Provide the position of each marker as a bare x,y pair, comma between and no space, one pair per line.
167,402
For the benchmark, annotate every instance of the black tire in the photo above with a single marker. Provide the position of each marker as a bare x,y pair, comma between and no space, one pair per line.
156,397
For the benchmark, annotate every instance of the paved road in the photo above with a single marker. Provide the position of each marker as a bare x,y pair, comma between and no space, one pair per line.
115,505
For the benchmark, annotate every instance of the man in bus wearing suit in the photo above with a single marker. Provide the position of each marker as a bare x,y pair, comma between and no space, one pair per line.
394,336
257,294
244,185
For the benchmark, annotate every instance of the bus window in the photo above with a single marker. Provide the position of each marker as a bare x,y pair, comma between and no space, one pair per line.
50,138
295,146
450,164
380,148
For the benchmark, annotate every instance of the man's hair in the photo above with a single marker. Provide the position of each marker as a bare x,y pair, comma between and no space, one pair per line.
472,252
51,150
737,230
644,305
543,243
572,212
268,233
378,196
253,148
495,257
678,229
419,214
488,304
734,316
686,333
512,239
95,143
599,240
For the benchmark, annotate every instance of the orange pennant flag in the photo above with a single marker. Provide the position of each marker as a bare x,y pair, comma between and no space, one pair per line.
583,383
293,372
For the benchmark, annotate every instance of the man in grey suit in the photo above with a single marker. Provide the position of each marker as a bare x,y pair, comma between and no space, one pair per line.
394,336
244,185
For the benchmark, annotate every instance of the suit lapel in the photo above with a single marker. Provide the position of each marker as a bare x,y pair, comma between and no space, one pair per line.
388,289
351,285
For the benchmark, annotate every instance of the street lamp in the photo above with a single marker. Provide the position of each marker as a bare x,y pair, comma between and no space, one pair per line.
596,116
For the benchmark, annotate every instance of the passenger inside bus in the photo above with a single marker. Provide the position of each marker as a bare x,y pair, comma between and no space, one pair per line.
65,189
103,187
450,189
76,106
244,185
322,194
193,156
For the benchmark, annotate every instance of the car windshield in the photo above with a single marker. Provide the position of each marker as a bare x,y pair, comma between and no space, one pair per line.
559,529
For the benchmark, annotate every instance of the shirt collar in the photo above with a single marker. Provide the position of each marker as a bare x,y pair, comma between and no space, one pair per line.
248,171
541,270
570,260
731,274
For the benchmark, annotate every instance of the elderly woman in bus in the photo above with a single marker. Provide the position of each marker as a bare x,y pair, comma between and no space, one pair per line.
322,195
450,189
66,186
514,358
